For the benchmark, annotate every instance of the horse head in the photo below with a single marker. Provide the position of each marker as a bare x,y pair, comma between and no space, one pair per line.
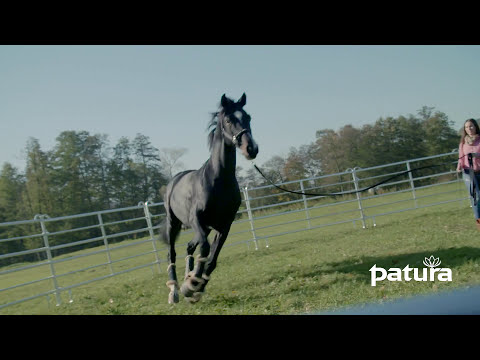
235,125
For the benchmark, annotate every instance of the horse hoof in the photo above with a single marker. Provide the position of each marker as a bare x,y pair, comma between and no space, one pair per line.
186,290
191,286
173,298
173,295
194,298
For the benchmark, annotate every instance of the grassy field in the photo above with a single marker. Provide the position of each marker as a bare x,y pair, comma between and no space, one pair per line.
311,271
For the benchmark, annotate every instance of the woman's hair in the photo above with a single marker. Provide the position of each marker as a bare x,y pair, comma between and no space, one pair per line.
464,133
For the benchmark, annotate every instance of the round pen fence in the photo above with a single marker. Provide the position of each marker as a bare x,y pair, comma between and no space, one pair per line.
47,257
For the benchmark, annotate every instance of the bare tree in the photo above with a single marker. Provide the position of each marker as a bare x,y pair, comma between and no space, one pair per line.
170,160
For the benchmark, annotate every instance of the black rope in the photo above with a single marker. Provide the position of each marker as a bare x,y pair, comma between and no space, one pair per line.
352,191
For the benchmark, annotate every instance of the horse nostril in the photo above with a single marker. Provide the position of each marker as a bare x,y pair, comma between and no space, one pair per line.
252,150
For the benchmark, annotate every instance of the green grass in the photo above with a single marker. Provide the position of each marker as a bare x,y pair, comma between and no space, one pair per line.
316,270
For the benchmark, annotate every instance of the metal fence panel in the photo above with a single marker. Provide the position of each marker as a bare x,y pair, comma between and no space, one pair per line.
265,213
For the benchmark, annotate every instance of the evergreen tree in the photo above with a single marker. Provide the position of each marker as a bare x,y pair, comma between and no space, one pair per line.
37,197
148,167
11,187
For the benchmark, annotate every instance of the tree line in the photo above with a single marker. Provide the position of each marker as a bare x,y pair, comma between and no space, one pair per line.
388,140
83,173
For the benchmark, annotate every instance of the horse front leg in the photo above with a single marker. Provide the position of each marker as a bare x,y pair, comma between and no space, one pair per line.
189,260
210,263
172,284
217,245
194,277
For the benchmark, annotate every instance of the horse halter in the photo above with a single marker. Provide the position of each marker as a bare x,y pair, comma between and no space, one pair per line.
233,138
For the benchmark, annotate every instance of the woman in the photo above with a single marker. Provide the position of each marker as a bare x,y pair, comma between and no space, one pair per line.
470,144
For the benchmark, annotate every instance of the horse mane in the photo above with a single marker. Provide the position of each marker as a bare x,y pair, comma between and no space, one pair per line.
212,126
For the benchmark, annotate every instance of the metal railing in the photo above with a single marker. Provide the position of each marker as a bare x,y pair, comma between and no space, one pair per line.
409,191
46,250
49,254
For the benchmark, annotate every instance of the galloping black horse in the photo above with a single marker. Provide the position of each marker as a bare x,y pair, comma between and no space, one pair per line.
207,198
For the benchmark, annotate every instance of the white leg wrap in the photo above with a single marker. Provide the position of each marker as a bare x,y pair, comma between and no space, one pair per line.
173,295
171,283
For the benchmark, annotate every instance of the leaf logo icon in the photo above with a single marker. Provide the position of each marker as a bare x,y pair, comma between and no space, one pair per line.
431,261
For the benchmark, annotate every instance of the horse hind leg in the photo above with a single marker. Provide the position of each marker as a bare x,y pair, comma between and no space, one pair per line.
172,284
173,228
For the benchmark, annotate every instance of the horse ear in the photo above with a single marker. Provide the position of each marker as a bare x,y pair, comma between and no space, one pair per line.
226,102
243,100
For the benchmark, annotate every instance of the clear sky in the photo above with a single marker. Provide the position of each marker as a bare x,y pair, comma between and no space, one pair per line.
168,92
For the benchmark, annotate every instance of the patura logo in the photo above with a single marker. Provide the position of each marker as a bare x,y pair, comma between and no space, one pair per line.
429,273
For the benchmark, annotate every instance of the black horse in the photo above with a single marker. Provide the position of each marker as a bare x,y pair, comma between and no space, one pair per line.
207,198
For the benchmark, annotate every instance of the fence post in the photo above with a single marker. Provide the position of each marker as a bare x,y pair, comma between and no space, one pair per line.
105,241
355,181
250,216
305,204
49,255
412,185
148,217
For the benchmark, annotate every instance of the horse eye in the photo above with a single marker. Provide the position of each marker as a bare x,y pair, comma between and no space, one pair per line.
227,120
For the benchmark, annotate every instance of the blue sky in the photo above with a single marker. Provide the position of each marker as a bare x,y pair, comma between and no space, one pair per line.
168,92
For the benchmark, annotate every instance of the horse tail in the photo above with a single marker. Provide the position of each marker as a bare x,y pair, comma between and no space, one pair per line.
163,231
